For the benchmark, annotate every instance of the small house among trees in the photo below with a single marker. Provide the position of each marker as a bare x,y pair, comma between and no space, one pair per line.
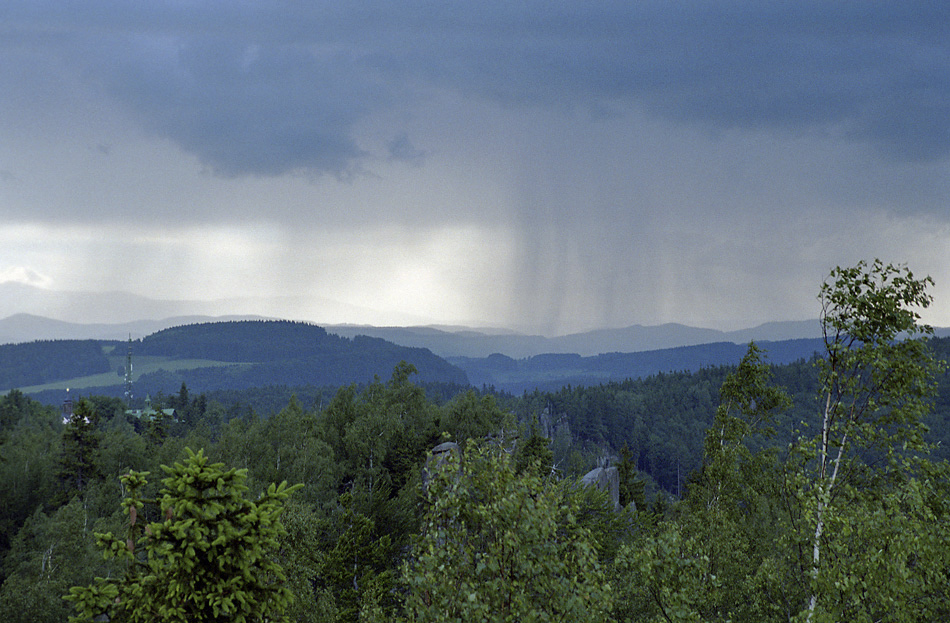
149,412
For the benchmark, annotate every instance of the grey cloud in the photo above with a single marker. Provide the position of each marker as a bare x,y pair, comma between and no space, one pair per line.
879,70
402,149
244,108
266,89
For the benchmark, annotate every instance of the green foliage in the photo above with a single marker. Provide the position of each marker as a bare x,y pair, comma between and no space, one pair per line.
286,446
886,556
499,546
36,363
107,408
208,559
534,453
49,554
703,563
468,416
30,444
356,570
13,407
632,488
661,419
79,460
379,439
298,551
877,382
748,403
879,376
669,577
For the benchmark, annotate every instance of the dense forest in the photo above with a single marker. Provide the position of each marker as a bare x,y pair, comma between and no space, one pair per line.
255,354
550,372
34,363
233,355
812,491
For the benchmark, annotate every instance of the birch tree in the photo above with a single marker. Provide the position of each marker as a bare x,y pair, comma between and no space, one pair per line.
876,383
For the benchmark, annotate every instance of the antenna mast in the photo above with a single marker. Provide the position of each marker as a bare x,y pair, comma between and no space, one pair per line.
128,375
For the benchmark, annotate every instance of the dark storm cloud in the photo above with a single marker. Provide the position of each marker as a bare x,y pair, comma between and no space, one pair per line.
879,70
251,108
270,88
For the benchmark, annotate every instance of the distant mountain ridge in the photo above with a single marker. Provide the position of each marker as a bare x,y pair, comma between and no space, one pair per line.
445,342
27,314
476,344
117,307
29,328
242,354
550,372
90,307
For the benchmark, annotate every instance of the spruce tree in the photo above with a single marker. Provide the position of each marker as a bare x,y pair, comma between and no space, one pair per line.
79,460
209,557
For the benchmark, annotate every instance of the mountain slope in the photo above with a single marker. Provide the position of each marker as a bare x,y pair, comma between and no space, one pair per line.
550,372
637,338
21,328
443,341
219,355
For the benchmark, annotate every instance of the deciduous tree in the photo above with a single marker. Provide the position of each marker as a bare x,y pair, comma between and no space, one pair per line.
502,546
877,380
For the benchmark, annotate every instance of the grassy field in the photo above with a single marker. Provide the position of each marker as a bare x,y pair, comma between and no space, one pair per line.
140,365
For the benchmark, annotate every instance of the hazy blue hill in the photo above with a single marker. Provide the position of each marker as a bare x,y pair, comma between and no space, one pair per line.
549,372
451,342
30,328
635,338
480,343
444,341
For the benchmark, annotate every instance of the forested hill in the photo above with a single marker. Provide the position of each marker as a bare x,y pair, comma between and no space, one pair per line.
34,363
553,371
261,341
285,352
219,355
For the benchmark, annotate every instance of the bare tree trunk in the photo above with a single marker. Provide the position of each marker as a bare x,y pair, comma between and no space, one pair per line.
824,499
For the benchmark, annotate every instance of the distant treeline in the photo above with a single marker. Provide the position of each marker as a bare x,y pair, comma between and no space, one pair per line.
242,341
663,418
35,363
550,372
266,353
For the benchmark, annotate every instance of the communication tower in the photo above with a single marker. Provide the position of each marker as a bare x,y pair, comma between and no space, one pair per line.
128,375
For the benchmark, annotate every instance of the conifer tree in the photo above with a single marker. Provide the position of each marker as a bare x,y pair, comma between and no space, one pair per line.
632,488
78,463
207,559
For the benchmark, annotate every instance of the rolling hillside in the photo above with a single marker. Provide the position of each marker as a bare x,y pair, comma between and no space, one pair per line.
550,372
219,355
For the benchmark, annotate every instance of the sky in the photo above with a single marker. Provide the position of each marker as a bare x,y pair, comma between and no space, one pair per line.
546,166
